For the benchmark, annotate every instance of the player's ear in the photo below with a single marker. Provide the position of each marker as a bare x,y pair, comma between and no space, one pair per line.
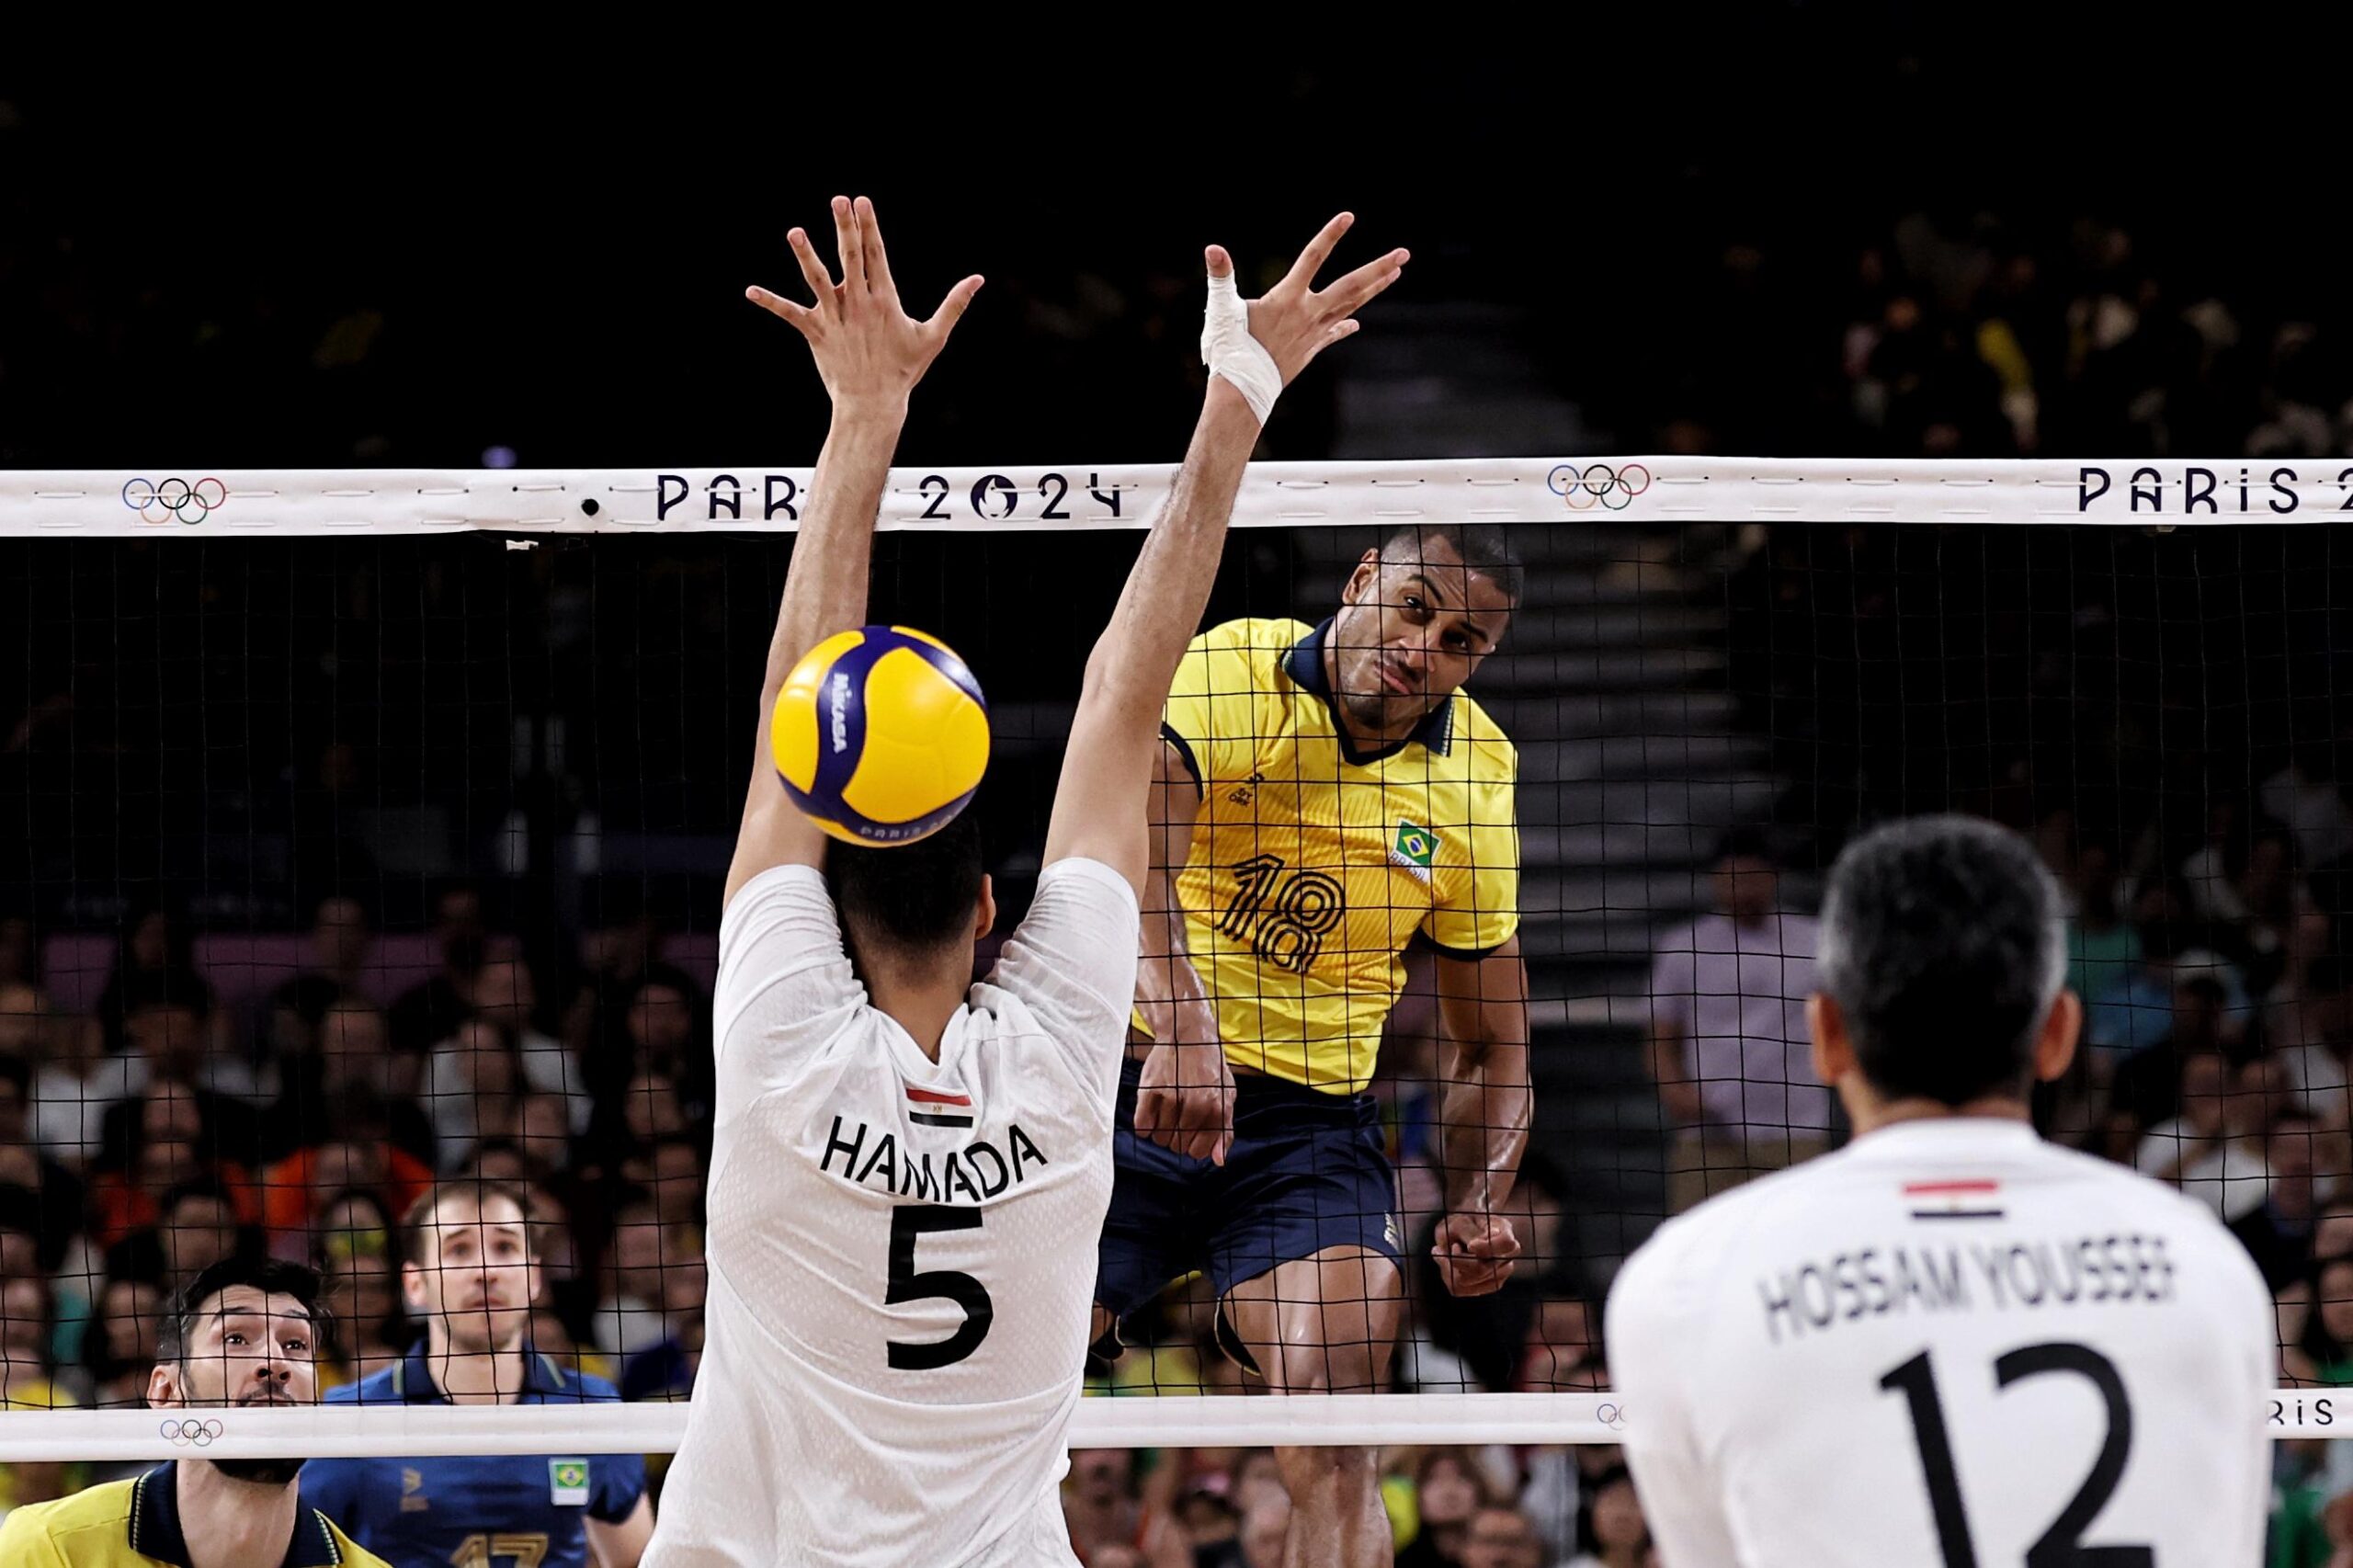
1361,581
164,1387
413,1287
2054,1048
1834,1053
984,920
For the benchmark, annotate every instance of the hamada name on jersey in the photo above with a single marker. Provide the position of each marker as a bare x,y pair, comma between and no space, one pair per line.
896,1161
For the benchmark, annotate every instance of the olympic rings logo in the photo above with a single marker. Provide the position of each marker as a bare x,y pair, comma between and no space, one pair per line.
199,1433
1610,1415
173,499
1585,488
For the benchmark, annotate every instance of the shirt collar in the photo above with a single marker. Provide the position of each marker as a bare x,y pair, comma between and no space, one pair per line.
413,1377
155,1525
1304,664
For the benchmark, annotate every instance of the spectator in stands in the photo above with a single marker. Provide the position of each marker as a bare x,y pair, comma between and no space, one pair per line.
664,1039
1099,1501
1611,1532
2136,1011
27,1383
430,1011
670,1170
2317,1345
653,1276
119,1346
2215,1149
164,1030
2278,1232
56,1191
155,1143
155,960
1499,1536
198,1225
665,1370
1728,1043
340,944
1265,1527
355,1152
2146,1090
1447,1494
356,1249
469,1085
2102,945
620,959
2306,797
75,1078
504,993
348,1056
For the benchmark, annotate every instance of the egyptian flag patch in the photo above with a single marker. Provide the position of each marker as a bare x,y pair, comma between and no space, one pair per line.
935,1107
1954,1199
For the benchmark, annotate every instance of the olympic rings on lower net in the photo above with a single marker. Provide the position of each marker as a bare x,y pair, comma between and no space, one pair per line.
160,500
1611,1415
1598,484
200,1433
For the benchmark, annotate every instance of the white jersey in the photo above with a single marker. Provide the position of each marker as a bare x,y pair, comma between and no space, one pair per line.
1949,1344
901,1252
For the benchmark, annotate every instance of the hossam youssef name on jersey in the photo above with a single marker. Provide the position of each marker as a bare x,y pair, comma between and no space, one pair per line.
1964,1277
978,1170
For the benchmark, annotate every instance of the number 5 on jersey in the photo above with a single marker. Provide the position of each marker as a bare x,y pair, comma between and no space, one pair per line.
907,1225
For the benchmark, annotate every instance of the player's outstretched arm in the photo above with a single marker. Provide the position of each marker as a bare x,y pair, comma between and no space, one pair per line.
1099,805
1489,1101
871,354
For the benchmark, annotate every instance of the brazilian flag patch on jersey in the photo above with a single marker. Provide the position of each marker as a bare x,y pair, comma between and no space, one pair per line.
568,1482
1413,849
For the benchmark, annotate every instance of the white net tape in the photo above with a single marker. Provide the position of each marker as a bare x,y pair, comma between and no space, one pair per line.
1087,495
1175,1421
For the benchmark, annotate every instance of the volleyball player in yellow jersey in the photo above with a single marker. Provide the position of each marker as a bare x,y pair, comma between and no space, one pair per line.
1326,796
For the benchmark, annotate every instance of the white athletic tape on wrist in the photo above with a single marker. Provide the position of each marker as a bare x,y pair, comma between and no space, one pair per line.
1229,350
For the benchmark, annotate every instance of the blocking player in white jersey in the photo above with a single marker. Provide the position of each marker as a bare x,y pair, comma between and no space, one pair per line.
1950,1343
909,1171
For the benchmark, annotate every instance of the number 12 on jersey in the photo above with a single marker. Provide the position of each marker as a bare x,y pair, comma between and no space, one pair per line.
2061,1546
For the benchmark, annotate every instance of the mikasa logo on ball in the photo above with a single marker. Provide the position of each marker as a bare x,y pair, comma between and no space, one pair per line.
841,712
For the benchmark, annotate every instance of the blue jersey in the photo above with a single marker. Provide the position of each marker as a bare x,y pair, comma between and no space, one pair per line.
479,1512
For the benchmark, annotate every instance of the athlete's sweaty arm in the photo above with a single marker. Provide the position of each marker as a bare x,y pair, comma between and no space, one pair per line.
1185,1097
1483,1117
871,354
1101,803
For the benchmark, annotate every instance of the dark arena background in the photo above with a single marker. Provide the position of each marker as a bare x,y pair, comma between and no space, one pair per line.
339,860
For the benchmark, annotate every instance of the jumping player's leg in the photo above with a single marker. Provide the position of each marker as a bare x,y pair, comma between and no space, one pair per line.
1326,1325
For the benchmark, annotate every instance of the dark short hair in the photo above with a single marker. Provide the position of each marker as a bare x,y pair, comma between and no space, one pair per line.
911,898
419,1218
1944,945
270,1276
1483,547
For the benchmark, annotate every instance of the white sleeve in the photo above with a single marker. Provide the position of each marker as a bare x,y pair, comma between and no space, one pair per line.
1650,1349
1072,962
784,984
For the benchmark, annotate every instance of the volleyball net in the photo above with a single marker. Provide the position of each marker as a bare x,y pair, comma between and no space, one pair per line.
367,829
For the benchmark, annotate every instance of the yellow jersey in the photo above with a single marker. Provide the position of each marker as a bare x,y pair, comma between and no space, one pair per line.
1312,865
133,1523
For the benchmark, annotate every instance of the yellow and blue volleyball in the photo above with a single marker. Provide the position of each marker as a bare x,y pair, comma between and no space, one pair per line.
881,736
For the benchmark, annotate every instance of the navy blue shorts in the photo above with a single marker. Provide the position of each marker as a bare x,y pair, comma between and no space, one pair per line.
1307,1171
